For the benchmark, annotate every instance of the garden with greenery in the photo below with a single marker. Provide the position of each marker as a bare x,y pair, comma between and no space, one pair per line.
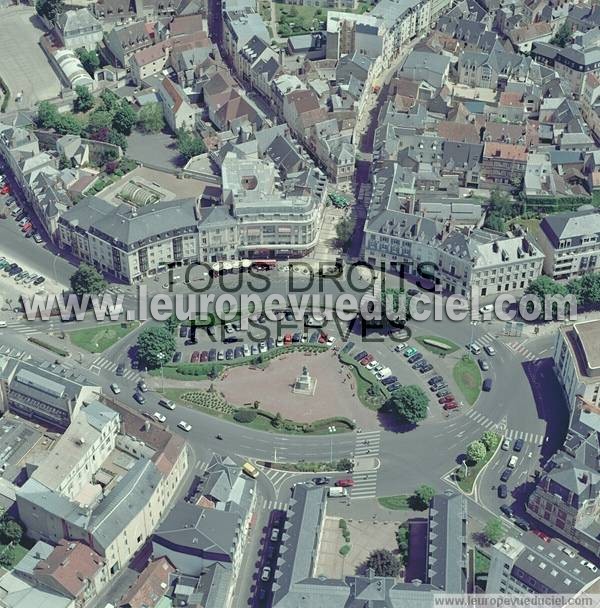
436,345
468,378
478,455
299,19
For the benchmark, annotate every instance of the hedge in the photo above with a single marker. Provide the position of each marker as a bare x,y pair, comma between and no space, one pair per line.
245,415
345,550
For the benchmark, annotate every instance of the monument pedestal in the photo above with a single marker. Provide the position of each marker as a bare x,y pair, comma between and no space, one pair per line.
305,384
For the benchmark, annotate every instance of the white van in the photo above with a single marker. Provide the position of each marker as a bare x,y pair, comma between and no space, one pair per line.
337,492
486,309
512,463
386,372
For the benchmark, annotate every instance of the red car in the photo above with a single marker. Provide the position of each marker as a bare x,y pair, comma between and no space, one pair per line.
542,535
287,339
322,338
451,405
195,357
367,360
344,483
5,189
446,399
204,356
26,227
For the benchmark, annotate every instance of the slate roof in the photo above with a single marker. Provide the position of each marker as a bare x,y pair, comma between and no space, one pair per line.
570,225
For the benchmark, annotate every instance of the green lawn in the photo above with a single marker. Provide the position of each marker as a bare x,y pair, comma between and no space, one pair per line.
468,378
299,19
369,390
98,339
452,347
396,503
482,567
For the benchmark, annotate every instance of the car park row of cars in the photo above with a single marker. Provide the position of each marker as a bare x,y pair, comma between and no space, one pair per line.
12,269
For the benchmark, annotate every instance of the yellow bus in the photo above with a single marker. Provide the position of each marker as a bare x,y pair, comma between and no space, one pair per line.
250,470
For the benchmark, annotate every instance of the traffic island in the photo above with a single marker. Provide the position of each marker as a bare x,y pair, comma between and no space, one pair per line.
468,378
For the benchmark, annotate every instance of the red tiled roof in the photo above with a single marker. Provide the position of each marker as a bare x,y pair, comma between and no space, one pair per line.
456,131
69,567
150,586
510,98
505,151
305,101
187,24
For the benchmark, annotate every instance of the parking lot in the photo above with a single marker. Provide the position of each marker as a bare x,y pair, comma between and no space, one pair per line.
23,65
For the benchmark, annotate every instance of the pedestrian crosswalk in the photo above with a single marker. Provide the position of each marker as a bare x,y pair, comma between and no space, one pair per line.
484,340
365,480
274,505
11,352
101,363
482,420
536,438
521,350
488,424
27,327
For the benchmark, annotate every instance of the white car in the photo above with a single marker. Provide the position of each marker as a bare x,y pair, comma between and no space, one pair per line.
186,426
475,349
400,347
506,444
331,340
279,341
372,365
159,417
229,328
486,309
588,565
247,350
490,350
115,388
167,403
262,347
266,573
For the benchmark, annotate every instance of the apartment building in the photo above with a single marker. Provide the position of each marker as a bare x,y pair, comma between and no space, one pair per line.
466,259
504,164
526,565
571,244
115,502
38,391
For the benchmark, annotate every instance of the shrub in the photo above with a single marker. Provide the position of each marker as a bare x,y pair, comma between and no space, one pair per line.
245,415
345,550
342,524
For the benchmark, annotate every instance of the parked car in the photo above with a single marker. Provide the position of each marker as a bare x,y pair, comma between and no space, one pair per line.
390,380
238,352
439,387
321,481
212,354
177,357
426,368
114,387
588,565
416,357
506,475
487,385
372,365
167,403
409,352
297,337
265,574
37,238
274,534
210,330
506,444
361,355
159,417
287,339
506,510
229,354
367,360
443,393
344,483
230,339
502,491
195,357
186,426
435,380
183,331
39,280
521,523
450,405
484,365
221,355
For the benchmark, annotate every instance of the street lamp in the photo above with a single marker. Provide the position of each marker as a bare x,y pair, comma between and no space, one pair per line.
161,357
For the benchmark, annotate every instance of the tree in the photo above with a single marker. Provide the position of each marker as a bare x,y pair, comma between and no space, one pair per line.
402,541
410,404
47,116
49,9
493,531
422,497
188,144
7,556
63,162
543,287
84,100
383,562
586,289
99,119
476,451
277,421
154,342
562,35
344,231
172,323
67,123
123,118
150,118
489,440
89,60
87,280
117,139
109,101
344,464
495,222
11,532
